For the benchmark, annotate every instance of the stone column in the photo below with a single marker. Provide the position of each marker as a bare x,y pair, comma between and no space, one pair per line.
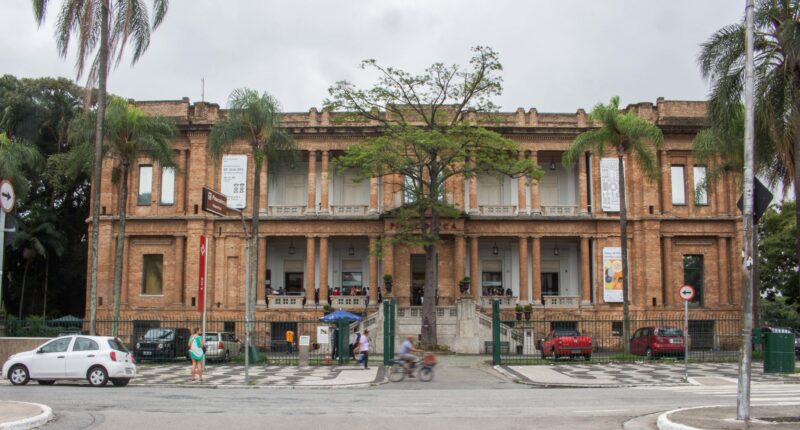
473,196
373,271
458,265
586,279
325,203
536,208
388,258
724,269
475,274
373,195
522,201
666,184
523,269
583,186
310,275
536,256
323,269
668,289
311,207
261,273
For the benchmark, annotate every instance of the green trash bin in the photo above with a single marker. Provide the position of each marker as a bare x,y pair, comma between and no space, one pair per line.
779,353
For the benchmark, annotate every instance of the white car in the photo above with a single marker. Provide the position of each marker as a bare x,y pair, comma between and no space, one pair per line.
98,359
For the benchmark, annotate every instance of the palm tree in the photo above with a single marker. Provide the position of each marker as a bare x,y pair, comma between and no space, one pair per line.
103,28
129,133
15,158
255,118
37,236
627,135
777,86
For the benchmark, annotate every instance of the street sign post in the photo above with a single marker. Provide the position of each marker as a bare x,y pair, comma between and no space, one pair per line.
215,202
687,294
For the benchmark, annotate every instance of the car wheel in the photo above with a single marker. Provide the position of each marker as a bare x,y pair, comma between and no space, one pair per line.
648,354
97,376
19,375
120,382
46,382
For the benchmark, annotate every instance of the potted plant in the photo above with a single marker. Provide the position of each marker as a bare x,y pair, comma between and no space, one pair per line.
527,310
387,282
327,308
518,311
463,285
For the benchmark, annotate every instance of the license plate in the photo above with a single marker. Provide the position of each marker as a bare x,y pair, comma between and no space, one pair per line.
147,352
676,341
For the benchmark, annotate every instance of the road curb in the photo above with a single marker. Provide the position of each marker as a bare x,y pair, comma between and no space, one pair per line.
664,423
30,422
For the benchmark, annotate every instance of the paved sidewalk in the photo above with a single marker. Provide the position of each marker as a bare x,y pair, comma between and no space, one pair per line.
23,415
634,374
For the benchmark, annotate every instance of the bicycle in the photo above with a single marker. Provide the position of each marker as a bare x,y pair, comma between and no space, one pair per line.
423,368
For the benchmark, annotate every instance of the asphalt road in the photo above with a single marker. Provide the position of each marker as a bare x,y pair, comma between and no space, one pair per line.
462,395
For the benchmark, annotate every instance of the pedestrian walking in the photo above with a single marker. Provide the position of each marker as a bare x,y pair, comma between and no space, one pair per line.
289,337
197,350
363,348
335,353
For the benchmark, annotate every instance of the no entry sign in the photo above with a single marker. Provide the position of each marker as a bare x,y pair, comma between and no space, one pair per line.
686,292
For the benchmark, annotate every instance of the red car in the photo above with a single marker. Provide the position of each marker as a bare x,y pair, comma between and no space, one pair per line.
566,343
654,342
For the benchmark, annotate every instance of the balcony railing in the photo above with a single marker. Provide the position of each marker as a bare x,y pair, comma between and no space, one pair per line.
349,209
506,302
561,301
285,302
287,210
497,210
563,210
349,302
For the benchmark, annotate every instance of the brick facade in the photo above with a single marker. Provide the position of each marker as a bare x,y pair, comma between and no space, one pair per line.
508,236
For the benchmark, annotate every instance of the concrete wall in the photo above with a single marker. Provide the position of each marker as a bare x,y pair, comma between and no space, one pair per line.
13,345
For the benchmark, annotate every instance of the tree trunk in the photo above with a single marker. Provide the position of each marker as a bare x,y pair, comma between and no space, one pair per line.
22,293
122,211
254,238
98,159
429,334
623,238
46,278
796,127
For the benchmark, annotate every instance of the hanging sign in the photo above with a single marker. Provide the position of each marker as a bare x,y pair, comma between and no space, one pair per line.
609,184
612,274
234,180
201,287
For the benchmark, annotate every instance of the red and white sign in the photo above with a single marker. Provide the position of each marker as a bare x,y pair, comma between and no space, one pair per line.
686,292
201,288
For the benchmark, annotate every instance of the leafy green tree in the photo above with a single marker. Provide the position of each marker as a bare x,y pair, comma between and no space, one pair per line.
629,137
129,133
777,86
254,118
778,267
428,139
38,237
103,29
16,160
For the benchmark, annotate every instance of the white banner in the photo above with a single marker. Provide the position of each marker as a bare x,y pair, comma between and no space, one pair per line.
609,184
612,274
234,180
323,335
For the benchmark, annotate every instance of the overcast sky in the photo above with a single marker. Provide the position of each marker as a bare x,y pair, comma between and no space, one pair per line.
558,55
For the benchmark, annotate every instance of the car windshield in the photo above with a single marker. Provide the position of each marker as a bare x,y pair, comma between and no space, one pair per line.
211,336
669,332
160,333
117,345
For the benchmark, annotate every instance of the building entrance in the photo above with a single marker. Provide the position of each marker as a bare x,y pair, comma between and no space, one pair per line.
417,279
294,283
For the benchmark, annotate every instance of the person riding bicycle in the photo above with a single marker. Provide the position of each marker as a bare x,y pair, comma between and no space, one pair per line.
406,350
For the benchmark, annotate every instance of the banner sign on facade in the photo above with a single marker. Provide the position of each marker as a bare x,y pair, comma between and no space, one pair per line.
201,287
609,184
234,180
612,274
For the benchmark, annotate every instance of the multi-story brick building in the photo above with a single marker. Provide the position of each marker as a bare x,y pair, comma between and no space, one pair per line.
541,243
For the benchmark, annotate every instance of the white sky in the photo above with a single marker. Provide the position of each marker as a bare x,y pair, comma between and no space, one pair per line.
558,55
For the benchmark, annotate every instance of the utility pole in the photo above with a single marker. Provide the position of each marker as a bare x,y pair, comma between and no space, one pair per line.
745,355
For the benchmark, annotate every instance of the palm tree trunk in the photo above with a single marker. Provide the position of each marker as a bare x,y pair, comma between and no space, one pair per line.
121,209
22,293
98,159
46,278
254,238
623,238
796,127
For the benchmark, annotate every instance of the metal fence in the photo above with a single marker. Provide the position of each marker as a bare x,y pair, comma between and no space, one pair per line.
522,341
165,339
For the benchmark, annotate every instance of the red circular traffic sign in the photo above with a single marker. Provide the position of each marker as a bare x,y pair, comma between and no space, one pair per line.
686,292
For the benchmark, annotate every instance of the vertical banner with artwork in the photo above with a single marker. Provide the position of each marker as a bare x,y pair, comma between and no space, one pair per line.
609,184
234,180
612,274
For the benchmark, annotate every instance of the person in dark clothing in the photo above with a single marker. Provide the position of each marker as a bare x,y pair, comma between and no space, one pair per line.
335,353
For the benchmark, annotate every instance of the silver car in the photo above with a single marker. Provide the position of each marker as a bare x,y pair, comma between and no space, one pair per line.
222,346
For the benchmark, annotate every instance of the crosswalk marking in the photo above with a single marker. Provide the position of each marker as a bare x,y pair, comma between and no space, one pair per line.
759,393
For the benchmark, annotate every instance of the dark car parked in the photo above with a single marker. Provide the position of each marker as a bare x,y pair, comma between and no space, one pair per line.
162,344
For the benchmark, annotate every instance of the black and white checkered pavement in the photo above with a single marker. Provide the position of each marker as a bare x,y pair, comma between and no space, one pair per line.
233,375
